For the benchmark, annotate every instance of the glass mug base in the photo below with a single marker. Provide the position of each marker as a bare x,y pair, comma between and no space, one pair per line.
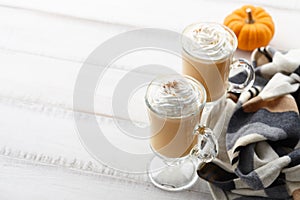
175,175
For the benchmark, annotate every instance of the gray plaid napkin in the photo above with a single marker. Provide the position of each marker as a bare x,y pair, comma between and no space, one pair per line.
259,155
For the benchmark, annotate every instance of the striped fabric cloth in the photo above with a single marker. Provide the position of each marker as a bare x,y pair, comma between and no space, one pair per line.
259,155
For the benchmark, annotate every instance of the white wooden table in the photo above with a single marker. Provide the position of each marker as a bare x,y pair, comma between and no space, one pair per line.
42,47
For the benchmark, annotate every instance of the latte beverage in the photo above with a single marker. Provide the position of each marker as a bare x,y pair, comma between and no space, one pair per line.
207,54
174,107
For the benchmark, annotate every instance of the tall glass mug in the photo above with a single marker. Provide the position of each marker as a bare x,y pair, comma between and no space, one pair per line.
175,105
208,50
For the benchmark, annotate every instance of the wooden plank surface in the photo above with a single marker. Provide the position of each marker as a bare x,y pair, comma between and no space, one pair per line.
31,180
86,25
40,151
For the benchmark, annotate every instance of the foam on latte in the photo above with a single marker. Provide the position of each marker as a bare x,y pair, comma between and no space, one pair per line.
209,41
175,96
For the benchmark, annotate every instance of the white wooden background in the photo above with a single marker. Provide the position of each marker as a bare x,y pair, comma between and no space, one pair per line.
42,47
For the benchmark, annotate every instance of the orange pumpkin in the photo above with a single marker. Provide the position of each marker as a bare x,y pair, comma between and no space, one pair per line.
253,27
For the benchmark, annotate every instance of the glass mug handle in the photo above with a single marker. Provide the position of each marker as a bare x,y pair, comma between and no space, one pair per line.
241,67
207,147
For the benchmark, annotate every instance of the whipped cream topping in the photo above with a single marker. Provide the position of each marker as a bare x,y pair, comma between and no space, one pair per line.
175,96
209,41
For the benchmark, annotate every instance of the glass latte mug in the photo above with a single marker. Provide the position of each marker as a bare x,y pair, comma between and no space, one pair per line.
208,50
174,105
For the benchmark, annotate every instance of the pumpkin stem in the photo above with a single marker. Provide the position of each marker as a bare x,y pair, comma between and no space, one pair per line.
249,20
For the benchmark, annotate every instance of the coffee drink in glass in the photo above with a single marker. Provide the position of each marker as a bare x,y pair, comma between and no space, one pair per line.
207,51
175,105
